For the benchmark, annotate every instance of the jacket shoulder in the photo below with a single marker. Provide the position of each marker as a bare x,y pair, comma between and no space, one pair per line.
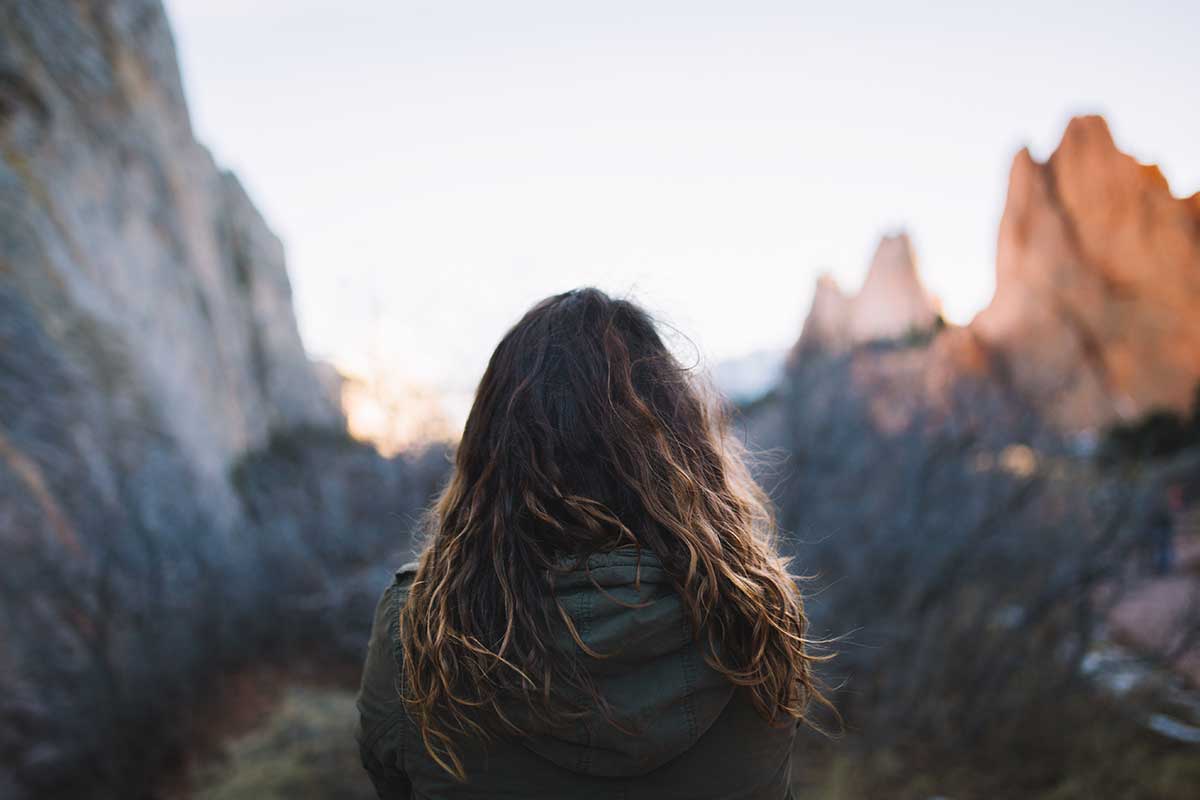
397,596
405,574
380,711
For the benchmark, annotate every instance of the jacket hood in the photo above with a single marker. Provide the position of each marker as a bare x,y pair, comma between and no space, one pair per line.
653,674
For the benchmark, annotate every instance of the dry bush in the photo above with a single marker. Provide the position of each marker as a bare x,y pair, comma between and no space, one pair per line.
967,564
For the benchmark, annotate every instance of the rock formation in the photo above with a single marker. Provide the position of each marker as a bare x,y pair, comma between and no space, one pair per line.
891,304
827,325
146,325
1095,314
180,502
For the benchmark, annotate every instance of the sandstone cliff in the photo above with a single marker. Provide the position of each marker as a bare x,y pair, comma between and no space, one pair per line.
1095,314
147,323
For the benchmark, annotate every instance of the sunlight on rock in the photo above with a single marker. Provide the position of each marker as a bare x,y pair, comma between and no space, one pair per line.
394,414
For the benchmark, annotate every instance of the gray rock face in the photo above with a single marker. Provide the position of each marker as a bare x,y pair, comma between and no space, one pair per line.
148,353
132,260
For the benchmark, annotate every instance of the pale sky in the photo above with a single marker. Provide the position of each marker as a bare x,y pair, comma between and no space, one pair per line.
436,167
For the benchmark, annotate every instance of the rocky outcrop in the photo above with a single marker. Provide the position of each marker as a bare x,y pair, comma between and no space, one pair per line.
1094,319
827,325
153,292
891,304
1097,284
179,499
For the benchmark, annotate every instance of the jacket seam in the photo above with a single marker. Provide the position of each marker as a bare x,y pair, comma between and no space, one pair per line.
381,729
401,677
585,628
371,737
624,568
689,683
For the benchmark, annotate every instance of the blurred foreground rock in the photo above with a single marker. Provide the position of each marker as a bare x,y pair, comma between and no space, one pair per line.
179,498
152,290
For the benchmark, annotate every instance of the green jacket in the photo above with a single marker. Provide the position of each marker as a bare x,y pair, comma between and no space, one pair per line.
700,737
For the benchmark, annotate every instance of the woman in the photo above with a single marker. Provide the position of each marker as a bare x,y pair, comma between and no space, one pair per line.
599,609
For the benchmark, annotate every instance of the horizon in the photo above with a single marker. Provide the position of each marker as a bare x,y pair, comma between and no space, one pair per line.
686,159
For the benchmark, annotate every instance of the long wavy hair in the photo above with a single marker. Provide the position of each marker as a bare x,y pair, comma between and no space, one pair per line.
587,434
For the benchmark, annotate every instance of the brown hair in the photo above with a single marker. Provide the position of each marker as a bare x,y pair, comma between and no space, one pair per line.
587,434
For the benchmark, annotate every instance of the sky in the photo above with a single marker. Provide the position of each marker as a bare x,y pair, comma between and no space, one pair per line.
434,168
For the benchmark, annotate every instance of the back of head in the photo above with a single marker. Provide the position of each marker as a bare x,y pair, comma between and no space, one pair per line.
587,435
